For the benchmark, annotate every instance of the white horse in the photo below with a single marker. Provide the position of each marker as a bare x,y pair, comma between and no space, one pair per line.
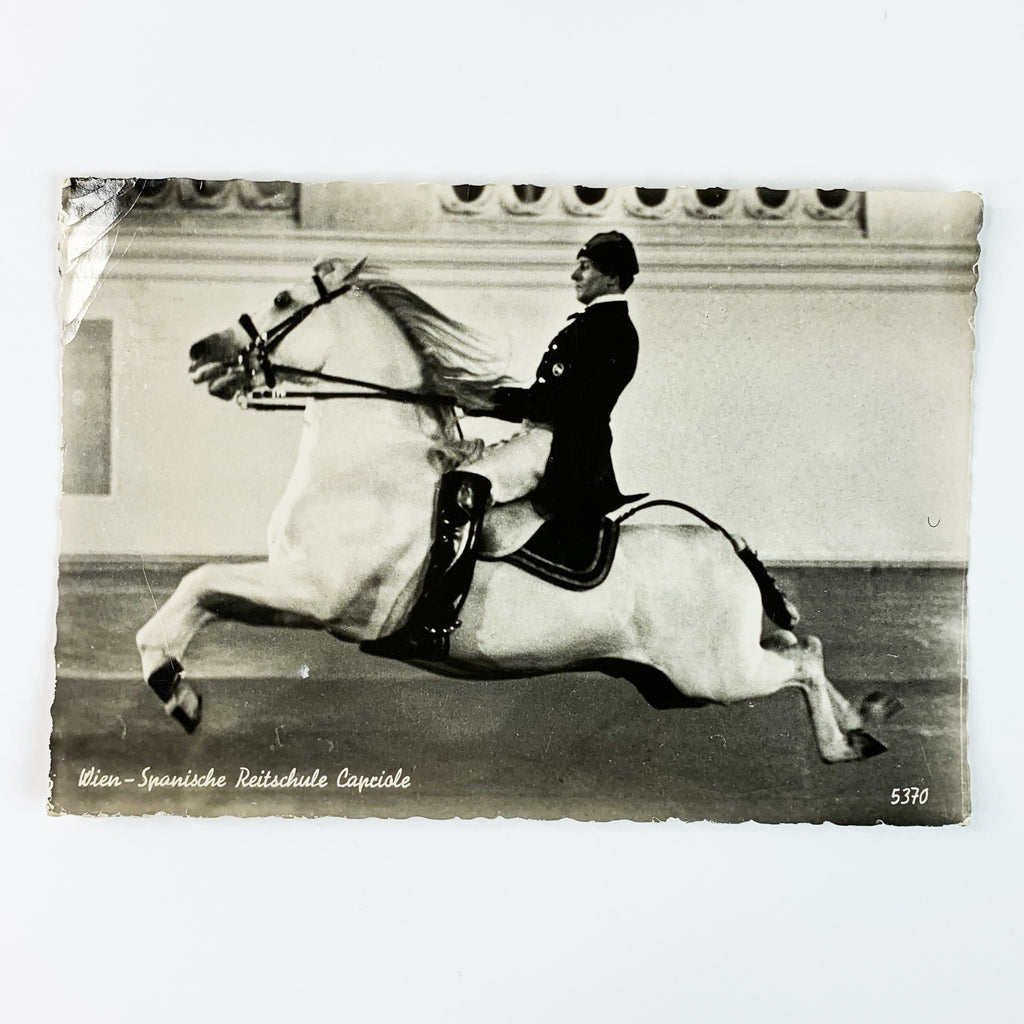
679,614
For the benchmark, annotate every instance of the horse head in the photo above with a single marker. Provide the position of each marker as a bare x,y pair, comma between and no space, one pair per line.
243,355
355,321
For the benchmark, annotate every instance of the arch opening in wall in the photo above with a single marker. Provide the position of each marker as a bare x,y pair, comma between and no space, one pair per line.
529,193
712,198
587,200
651,203
775,204
468,193
154,192
652,197
832,198
589,196
709,203
772,198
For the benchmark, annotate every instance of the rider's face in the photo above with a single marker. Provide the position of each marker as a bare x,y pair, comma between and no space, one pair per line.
591,282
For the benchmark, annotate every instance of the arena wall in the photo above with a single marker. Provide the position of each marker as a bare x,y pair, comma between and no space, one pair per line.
804,380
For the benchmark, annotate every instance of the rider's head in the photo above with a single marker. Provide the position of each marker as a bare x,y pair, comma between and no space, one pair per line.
606,265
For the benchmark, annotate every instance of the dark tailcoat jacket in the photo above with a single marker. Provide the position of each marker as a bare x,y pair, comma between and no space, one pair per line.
579,380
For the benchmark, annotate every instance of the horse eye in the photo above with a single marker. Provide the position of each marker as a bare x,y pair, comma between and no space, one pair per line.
282,300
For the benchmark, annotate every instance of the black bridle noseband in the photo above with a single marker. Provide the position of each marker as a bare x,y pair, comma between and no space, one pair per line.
257,358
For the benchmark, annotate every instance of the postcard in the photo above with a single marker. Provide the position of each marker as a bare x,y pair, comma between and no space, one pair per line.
535,501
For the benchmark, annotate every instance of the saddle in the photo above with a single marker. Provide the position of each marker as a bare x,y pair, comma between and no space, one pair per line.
575,554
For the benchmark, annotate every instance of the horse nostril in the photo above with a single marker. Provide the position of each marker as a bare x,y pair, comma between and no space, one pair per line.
214,348
283,300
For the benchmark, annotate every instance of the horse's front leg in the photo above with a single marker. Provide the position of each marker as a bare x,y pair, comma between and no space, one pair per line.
256,593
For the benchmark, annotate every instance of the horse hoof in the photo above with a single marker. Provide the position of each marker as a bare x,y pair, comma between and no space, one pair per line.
180,700
188,712
163,680
864,745
812,645
880,707
780,640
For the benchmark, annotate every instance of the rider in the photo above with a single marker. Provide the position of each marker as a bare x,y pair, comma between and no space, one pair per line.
561,456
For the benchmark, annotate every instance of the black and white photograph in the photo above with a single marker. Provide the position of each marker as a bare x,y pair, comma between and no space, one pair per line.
514,500
512,512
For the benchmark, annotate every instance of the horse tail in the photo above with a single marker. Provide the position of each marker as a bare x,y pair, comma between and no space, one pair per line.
777,606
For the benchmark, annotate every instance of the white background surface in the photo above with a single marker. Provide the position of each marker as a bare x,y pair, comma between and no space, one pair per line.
153,920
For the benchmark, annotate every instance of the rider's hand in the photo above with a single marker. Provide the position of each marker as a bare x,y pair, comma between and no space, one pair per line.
509,404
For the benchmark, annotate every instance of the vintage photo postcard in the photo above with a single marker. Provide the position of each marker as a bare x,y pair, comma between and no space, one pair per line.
540,501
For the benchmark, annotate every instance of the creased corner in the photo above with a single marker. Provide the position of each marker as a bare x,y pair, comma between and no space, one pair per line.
91,210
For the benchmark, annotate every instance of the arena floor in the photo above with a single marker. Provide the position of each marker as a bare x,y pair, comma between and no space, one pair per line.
579,745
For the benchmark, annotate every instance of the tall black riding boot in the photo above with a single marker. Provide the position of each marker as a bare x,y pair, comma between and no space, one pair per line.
461,504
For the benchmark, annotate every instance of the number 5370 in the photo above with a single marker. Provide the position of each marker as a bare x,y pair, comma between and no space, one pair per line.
909,795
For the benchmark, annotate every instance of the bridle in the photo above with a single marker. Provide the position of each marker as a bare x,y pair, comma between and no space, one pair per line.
256,358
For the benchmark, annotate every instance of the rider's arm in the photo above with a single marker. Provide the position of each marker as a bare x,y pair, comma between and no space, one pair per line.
506,404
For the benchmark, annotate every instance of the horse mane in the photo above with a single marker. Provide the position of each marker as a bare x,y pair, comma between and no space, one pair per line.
458,361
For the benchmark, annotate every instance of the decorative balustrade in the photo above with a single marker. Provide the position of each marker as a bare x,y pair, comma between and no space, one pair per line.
236,197
837,207
484,236
280,199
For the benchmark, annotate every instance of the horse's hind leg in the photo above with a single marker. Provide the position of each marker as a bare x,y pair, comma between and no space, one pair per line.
832,714
876,707
252,593
836,725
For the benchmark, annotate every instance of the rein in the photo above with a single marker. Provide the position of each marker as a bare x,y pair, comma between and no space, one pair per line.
257,356
272,397
669,503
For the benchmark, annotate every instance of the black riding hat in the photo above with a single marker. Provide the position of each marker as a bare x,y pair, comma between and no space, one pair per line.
612,253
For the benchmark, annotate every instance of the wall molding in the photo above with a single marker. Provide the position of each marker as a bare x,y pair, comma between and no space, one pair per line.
728,260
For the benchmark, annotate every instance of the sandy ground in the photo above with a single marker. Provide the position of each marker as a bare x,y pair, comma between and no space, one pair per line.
575,745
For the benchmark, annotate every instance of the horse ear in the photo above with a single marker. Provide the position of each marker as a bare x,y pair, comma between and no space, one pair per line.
325,267
354,272
330,266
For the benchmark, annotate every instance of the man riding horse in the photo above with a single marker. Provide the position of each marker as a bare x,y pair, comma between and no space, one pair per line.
678,613
560,457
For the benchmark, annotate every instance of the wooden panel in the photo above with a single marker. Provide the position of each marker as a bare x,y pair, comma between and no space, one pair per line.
86,403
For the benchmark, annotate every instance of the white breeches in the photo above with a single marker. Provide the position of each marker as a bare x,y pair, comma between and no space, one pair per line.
515,466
